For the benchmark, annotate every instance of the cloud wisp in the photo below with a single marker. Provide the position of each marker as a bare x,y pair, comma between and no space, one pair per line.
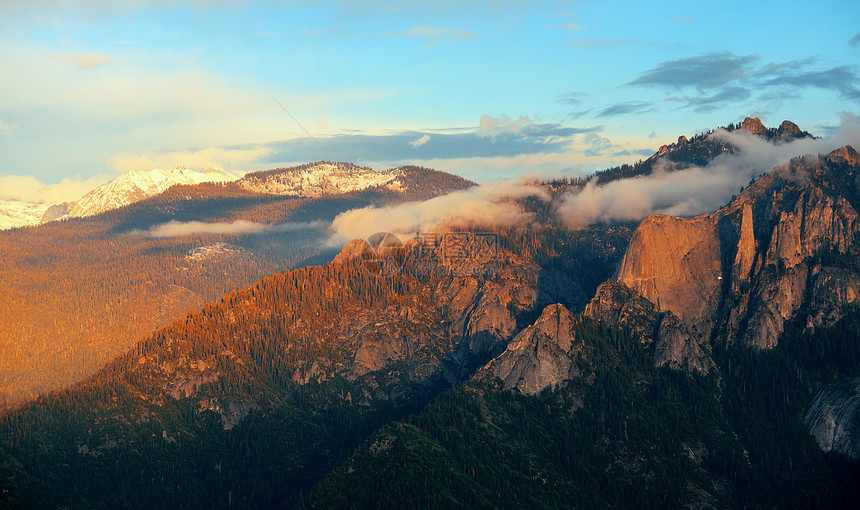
487,205
27,188
175,228
84,60
841,79
418,142
703,72
493,137
6,129
721,78
626,108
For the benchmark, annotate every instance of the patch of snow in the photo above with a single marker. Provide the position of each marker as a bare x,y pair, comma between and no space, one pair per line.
211,251
137,185
321,179
15,213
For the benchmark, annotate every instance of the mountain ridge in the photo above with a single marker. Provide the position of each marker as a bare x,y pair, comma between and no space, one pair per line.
134,186
689,266
81,291
437,385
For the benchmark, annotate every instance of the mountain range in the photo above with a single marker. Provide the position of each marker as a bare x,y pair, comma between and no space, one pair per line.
311,180
78,292
125,189
707,361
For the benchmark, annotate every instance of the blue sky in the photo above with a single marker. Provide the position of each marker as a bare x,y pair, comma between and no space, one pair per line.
90,89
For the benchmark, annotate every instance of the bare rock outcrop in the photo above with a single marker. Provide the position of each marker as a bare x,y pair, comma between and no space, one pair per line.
617,304
542,355
478,319
675,264
741,273
674,344
832,290
678,349
754,126
816,221
788,131
833,418
844,155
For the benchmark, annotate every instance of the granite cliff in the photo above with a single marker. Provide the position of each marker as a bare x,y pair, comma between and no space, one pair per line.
541,356
738,274
833,418
784,251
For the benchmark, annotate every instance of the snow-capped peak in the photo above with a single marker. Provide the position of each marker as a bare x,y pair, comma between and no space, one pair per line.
137,185
318,179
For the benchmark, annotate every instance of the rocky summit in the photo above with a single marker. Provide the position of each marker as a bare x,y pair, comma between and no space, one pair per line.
541,356
747,268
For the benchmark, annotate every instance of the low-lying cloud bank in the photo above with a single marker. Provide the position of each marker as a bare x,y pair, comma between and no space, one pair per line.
175,228
687,192
27,188
695,190
487,205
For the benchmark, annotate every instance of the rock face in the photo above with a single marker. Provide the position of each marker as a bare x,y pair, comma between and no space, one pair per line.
754,126
833,418
480,318
670,259
740,273
788,130
671,338
57,211
541,356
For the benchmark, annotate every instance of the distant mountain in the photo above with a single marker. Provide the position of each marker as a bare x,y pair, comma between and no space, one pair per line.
126,189
700,149
325,179
135,186
313,180
79,292
318,179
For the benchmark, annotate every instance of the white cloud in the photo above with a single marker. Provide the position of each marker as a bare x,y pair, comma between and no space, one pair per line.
419,142
6,129
494,126
695,190
84,60
237,161
483,205
29,189
240,227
